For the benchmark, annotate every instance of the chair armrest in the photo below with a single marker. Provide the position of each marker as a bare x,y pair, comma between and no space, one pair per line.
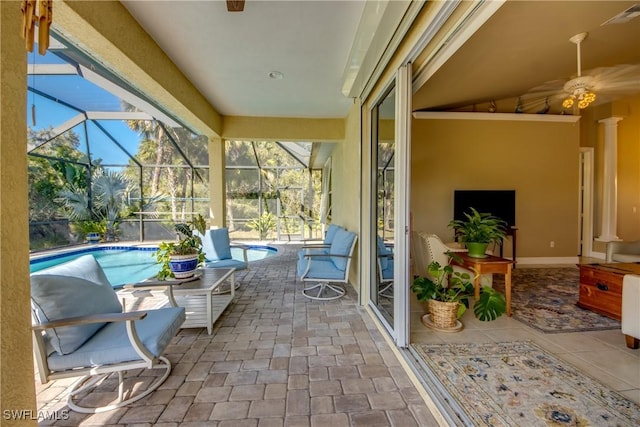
85,320
316,245
326,255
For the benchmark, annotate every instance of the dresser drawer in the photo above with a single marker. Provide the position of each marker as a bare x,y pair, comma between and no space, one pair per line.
604,302
602,281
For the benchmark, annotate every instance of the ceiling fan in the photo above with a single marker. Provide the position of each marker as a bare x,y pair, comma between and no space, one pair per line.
605,84
235,5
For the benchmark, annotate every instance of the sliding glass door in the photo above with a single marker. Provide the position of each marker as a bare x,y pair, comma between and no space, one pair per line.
389,225
383,150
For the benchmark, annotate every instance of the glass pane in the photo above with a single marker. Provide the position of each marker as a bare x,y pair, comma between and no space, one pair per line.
43,113
70,145
382,291
77,92
124,132
240,153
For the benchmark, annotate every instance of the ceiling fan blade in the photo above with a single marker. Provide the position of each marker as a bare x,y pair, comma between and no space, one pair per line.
235,5
617,80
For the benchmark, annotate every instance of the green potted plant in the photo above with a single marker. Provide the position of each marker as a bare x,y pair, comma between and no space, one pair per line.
479,230
447,292
181,258
94,230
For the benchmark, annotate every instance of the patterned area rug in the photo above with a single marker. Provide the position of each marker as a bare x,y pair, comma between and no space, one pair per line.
520,384
545,299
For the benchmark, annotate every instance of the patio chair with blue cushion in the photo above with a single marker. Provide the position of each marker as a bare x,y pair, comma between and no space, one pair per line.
385,269
320,247
216,246
328,268
79,330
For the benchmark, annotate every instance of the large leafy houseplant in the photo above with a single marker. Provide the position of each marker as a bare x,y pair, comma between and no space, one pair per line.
445,284
479,228
189,243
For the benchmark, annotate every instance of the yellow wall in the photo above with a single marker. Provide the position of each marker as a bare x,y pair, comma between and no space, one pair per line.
628,179
345,184
17,390
283,129
628,167
538,160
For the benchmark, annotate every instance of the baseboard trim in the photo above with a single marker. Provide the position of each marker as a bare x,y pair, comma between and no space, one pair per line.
548,260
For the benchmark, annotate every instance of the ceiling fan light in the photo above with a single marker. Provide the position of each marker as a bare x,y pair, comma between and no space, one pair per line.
582,104
568,102
589,97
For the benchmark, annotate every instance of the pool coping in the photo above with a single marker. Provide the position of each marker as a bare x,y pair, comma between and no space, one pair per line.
118,246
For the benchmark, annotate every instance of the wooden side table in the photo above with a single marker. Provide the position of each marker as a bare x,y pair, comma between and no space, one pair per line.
489,264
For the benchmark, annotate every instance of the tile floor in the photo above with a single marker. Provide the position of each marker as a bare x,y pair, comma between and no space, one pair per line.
276,358
601,354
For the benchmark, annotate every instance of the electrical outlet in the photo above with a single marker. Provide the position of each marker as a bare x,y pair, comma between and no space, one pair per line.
552,244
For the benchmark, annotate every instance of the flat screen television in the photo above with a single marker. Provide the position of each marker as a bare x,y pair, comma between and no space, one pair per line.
499,203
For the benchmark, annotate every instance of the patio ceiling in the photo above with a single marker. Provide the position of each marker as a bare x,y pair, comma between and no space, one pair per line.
228,55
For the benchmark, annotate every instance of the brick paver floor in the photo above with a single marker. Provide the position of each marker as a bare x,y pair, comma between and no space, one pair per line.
275,358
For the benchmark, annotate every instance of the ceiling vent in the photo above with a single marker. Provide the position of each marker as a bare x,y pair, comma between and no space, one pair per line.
625,16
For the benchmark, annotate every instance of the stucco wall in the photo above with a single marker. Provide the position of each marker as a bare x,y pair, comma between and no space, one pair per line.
539,160
16,362
345,184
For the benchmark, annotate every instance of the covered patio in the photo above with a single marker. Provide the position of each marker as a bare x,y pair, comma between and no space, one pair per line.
275,358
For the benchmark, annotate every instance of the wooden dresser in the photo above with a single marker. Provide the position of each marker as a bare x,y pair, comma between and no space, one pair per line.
601,287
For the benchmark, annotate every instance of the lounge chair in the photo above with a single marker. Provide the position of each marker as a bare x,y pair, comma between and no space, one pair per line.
79,330
328,268
216,246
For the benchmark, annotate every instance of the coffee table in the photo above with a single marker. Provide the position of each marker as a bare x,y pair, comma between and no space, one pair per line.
489,264
202,305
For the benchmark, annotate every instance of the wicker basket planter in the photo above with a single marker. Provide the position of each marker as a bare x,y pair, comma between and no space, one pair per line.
443,314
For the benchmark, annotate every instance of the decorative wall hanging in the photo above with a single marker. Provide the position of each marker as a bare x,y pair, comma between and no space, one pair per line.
38,12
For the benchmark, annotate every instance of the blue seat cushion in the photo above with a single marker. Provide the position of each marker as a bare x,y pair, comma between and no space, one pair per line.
387,273
383,250
56,297
111,344
226,263
341,245
216,244
322,268
331,232
85,267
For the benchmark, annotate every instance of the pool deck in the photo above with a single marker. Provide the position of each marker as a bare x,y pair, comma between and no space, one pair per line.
275,358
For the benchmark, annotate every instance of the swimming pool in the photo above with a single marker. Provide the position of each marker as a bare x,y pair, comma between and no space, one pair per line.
127,264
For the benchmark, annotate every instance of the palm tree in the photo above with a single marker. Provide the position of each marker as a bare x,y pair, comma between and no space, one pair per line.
109,201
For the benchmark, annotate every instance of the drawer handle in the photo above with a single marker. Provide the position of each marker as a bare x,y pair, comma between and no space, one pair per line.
602,287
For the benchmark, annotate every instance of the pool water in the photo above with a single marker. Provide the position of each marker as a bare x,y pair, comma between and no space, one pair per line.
130,265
